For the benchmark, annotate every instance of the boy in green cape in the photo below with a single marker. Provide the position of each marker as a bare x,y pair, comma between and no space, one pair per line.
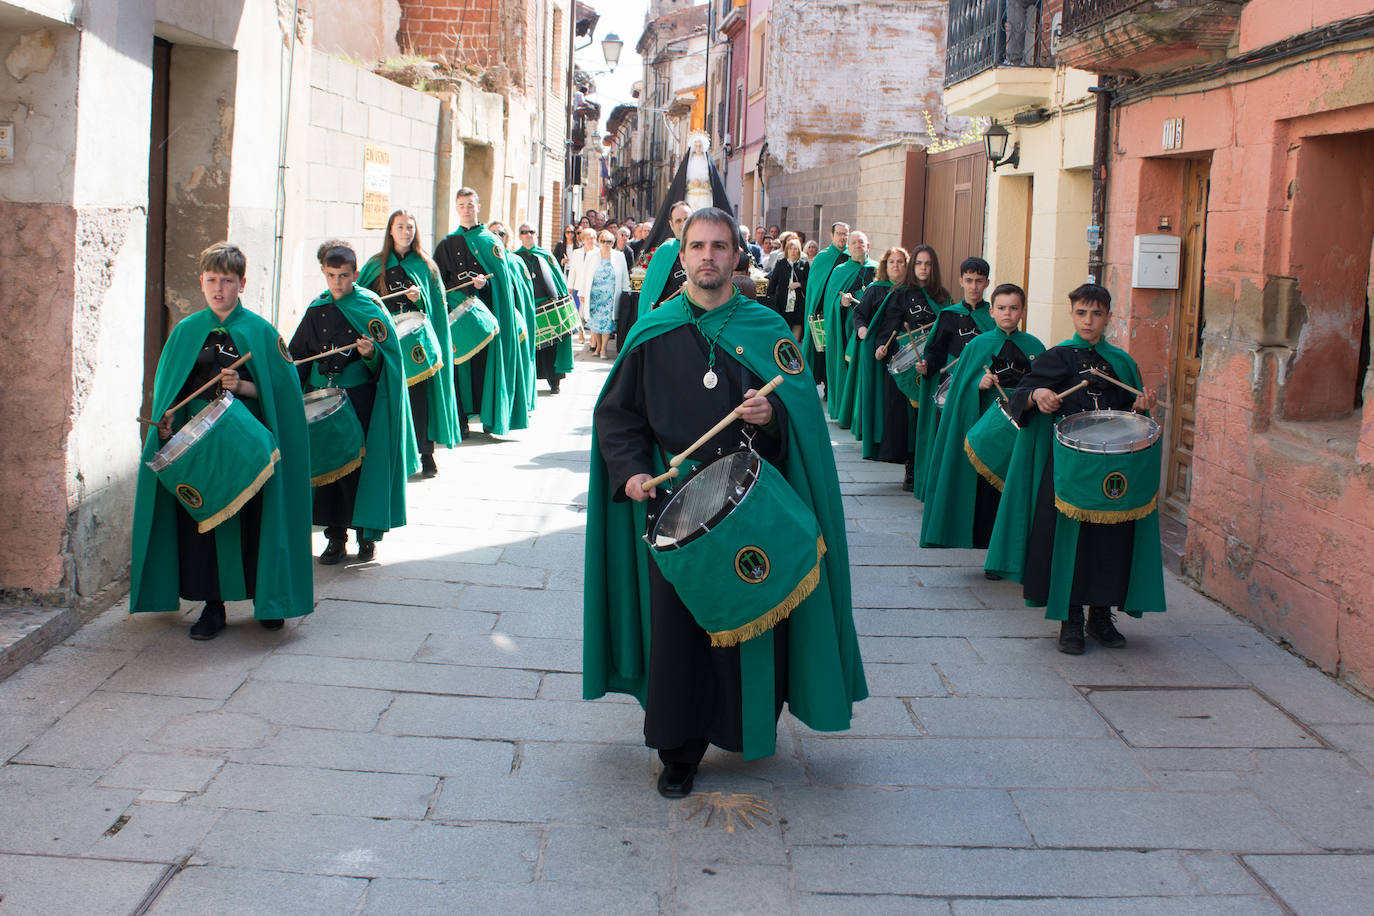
491,383
407,279
685,365
955,326
1062,562
960,505
818,275
263,552
552,362
371,499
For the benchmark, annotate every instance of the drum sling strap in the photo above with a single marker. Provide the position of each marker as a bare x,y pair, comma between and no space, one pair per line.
354,374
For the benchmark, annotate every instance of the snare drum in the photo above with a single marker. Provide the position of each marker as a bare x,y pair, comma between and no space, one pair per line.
989,444
817,324
902,368
1106,466
738,545
554,320
336,436
217,461
472,326
942,393
419,346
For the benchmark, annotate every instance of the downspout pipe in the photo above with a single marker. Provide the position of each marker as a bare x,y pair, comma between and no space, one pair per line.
1102,146
279,217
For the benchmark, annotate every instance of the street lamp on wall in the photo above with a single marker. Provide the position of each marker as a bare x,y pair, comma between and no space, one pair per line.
610,49
995,140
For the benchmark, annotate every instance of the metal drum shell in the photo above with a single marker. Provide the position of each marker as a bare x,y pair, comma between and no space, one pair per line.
1065,430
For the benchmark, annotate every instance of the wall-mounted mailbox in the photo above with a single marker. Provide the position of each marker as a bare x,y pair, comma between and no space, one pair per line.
1154,262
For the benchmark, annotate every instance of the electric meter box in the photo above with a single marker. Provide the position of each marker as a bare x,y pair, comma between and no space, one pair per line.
1154,262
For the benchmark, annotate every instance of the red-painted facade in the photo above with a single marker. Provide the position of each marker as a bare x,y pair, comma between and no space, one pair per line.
1281,511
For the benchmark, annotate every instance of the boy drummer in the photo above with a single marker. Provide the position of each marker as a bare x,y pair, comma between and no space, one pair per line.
1063,563
370,499
263,552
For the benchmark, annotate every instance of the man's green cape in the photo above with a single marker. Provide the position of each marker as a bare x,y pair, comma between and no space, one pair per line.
563,350
523,287
285,584
928,415
391,453
825,671
1010,535
442,425
839,327
505,403
817,275
951,482
656,275
871,387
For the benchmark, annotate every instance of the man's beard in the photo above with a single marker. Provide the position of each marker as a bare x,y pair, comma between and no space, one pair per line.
710,284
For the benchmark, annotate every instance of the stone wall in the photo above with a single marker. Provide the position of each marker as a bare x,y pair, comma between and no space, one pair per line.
882,193
835,189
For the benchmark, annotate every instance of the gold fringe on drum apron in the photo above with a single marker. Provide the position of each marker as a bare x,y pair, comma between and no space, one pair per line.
238,502
325,479
779,613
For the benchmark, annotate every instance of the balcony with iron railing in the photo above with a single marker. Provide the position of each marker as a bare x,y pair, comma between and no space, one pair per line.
1136,37
981,76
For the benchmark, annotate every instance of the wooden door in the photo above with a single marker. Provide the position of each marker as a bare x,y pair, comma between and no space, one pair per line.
1187,343
955,199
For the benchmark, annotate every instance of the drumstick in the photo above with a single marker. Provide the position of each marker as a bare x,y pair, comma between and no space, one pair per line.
195,394
311,359
950,364
454,289
1115,381
1064,394
1002,394
706,437
889,340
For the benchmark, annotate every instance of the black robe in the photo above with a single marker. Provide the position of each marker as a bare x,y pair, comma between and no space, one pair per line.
544,356
394,280
907,309
197,560
457,263
1103,566
779,281
324,327
1010,365
655,400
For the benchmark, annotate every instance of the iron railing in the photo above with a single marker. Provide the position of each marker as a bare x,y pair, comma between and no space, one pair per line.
975,41
1080,14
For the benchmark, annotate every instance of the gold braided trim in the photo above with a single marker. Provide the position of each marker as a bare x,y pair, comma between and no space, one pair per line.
767,621
426,374
248,493
983,470
329,477
1106,516
913,403
457,360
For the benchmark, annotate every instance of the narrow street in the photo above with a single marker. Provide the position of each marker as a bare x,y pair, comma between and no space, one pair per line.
419,745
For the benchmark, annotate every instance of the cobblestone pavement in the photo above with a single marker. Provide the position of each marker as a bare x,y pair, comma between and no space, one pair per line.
418,745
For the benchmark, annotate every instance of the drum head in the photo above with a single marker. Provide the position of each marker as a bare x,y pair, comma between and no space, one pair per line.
904,359
1107,432
321,403
707,497
408,322
462,308
194,430
942,393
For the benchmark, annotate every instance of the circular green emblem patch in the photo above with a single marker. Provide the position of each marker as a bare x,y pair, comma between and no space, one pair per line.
189,495
1114,485
377,328
417,354
751,565
788,356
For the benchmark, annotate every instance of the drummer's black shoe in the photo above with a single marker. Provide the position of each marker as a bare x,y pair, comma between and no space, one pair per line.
272,624
1071,632
366,550
909,476
211,621
333,552
427,466
1102,629
991,576
675,780
553,387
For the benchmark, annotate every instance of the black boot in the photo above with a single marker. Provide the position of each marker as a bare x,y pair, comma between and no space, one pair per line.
427,466
1102,629
211,621
366,550
1071,632
909,478
333,552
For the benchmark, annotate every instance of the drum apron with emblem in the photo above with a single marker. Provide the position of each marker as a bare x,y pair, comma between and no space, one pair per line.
1106,466
989,444
902,368
471,326
554,319
738,545
217,461
337,446
419,346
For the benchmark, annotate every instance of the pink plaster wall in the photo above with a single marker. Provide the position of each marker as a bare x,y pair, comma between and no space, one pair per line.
1281,521
37,275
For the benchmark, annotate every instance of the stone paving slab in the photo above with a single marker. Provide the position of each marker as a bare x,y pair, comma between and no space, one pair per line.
419,744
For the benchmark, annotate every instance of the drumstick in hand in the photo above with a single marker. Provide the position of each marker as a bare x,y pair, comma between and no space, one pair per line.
725,421
454,289
1064,394
195,394
310,359
1000,393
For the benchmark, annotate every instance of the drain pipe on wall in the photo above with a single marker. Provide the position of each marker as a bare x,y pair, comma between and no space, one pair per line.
279,215
1097,241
